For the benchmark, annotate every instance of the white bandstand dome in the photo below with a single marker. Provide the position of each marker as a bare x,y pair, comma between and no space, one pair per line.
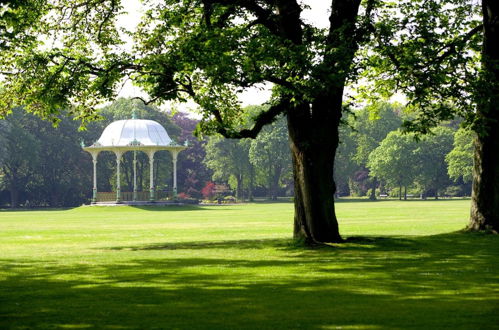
134,132
134,135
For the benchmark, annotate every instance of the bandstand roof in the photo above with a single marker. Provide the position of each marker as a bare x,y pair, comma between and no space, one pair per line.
134,134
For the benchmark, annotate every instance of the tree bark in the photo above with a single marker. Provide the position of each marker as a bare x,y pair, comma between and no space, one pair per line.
485,191
313,145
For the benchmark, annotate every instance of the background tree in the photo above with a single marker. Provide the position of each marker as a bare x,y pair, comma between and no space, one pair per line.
229,158
430,154
344,164
460,159
63,171
395,161
371,125
192,172
269,154
21,155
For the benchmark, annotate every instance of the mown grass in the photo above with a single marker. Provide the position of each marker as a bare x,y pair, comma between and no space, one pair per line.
405,265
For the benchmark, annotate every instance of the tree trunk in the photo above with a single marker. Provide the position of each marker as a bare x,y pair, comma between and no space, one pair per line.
313,143
239,187
373,189
400,192
485,191
14,196
405,193
251,183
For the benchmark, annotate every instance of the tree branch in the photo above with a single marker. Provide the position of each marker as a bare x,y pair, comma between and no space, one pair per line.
262,119
452,46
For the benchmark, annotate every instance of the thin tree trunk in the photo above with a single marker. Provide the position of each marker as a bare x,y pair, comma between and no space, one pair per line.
400,192
373,189
405,193
485,191
251,183
14,197
239,187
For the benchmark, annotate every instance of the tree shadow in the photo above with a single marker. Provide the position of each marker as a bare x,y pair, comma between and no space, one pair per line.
171,208
441,281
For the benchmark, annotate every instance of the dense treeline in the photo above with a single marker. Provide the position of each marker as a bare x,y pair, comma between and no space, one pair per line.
45,166
375,157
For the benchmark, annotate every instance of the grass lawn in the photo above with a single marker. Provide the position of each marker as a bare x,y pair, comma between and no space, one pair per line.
230,267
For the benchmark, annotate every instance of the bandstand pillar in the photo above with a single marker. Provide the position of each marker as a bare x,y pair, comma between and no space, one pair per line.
135,175
174,158
94,189
118,154
151,175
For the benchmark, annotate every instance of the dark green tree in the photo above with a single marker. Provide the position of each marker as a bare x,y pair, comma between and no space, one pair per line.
371,125
269,154
21,155
430,153
395,161
229,158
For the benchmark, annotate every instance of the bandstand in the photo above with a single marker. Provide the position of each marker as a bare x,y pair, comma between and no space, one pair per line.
134,135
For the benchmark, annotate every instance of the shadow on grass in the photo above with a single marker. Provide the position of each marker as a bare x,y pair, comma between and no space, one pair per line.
442,281
37,209
171,208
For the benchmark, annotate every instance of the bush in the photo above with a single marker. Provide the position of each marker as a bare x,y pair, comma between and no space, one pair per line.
208,191
183,195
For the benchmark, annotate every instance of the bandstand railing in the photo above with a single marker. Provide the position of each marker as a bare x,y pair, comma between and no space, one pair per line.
127,196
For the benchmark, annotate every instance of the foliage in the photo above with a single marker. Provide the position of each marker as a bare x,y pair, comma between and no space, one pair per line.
460,159
269,154
431,152
429,52
45,165
192,172
229,158
208,190
395,160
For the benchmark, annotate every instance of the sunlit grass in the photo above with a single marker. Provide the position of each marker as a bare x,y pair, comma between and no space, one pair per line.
405,264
